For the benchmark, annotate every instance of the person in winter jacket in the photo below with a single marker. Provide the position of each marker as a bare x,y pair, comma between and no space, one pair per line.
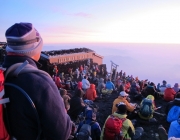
175,102
153,107
90,118
109,87
24,43
169,93
91,93
122,98
174,129
85,83
163,87
128,131
101,85
77,105
176,87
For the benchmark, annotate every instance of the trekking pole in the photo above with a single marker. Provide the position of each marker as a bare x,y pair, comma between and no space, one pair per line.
160,113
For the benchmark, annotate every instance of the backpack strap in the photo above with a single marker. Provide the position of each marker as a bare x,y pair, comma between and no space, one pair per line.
20,68
32,105
113,116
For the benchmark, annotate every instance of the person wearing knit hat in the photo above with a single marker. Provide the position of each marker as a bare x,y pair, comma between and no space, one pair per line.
24,39
24,43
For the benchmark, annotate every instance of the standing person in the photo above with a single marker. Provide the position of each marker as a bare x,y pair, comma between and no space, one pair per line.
25,44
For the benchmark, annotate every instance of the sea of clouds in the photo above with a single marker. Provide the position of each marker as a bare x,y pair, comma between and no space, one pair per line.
155,62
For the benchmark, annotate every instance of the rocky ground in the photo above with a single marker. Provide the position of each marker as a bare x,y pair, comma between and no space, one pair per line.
105,108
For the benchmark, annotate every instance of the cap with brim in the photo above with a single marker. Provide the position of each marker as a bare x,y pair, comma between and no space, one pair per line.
123,93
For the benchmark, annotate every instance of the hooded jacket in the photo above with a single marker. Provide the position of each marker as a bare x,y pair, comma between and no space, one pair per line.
169,94
91,93
47,100
174,129
110,85
176,87
90,118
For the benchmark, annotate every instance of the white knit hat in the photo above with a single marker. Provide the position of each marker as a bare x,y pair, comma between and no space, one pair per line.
23,38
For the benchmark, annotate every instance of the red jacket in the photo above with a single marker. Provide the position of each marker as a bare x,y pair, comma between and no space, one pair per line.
169,94
91,93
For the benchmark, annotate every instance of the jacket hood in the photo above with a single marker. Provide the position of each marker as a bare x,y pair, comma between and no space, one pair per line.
176,85
79,85
92,86
101,80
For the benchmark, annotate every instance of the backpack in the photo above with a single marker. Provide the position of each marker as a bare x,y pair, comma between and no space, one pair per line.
113,128
173,114
146,108
13,71
85,131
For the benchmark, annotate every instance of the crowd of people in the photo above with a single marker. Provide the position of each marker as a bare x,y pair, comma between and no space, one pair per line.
66,104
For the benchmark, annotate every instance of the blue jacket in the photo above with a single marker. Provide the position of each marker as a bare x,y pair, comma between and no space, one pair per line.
55,123
110,85
95,128
174,130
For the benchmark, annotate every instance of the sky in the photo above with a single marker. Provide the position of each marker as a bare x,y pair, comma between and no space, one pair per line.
142,37
92,21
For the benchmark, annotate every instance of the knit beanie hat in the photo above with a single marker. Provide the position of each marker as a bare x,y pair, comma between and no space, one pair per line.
23,38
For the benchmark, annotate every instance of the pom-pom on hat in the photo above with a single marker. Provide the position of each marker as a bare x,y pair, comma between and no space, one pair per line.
23,38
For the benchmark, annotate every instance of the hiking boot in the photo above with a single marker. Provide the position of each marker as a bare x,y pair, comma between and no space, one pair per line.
162,133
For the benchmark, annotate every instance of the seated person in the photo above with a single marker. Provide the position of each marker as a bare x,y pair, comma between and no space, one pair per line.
126,132
147,108
77,105
169,93
90,118
173,109
66,98
174,129
109,87
122,98
175,102
68,84
176,87
91,93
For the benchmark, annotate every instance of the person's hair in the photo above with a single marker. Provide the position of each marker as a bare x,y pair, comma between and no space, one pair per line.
63,92
177,95
121,109
84,77
121,88
79,93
